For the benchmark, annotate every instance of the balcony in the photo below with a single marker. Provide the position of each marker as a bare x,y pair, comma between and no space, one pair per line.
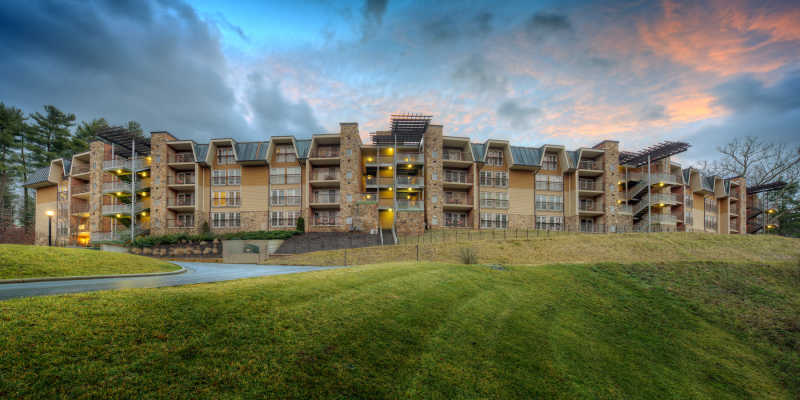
590,208
324,178
180,224
410,205
325,155
656,178
121,166
549,206
590,186
80,208
385,204
379,160
122,209
454,201
369,197
410,181
410,158
383,181
494,182
78,170
494,203
457,179
123,187
80,190
180,203
326,221
324,199
590,165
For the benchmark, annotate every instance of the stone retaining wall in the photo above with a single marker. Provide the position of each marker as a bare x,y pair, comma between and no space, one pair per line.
183,249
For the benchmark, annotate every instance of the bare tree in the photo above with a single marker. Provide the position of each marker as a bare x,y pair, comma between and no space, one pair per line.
758,161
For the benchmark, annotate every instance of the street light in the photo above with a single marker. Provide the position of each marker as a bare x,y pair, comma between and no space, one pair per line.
50,214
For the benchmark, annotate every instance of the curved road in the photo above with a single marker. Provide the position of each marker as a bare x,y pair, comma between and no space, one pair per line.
195,273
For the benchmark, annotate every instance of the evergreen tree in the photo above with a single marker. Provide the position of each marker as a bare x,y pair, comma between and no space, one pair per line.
11,123
87,133
52,135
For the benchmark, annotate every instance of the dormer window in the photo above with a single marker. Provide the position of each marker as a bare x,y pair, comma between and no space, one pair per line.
225,155
285,154
495,157
550,162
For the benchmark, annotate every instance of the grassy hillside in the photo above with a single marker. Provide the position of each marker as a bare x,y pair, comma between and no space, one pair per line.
571,248
429,330
22,261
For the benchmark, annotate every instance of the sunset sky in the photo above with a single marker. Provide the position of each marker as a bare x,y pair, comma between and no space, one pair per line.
561,72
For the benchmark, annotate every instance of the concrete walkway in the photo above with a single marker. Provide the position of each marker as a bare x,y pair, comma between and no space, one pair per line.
195,273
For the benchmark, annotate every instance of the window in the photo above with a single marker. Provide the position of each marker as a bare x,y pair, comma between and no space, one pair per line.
185,220
494,199
501,179
234,176
455,219
184,199
293,175
285,197
494,157
218,177
325,196
226,199
589,205
285,153
184,178
550,162
326,217
225,155
486,178
549,202
710,204
225,220
455,175
550,223
284,218
277,176
489,220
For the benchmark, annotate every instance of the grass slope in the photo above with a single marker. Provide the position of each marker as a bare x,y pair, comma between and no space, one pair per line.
570,248
428,330
21,261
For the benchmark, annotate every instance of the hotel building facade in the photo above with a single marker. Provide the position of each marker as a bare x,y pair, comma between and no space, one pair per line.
407,180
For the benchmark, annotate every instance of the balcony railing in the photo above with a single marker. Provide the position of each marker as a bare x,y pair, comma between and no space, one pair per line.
410,158
82,207
457,222
496,182
625,209
549,226
178,223
285,200
453,155
549,206
661,218
405,204
324,198
457,177
324,176
589,165
180,202
80,189
325,152
458,200
79,169
494,203
326,221
181,158
410,180
120,164
369,197
181,180
590,207
122,208
122,186
382,181
589,185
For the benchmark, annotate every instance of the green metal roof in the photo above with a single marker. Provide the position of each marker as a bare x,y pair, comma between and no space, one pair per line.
38,176
477,151
200,151
527,156
302,147
252,151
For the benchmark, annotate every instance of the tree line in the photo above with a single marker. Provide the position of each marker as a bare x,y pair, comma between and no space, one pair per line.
28,142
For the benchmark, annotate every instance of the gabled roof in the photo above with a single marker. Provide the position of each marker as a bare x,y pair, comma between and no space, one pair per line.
527,156
39,177
478,150
303,146
252,151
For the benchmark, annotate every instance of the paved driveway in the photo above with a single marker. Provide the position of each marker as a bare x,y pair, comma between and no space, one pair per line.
195,273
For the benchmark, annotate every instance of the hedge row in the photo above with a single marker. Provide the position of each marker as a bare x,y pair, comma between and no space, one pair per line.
150,241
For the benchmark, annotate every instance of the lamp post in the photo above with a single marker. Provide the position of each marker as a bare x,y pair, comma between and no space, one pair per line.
50,214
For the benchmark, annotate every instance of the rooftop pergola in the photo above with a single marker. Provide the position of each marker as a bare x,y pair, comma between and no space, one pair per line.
767,187
124,141
406,128
652,153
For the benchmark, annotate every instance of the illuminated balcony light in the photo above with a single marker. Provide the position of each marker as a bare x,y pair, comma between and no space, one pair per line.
661,184
772,211
119,215
409,165
119,171
369,159
119,193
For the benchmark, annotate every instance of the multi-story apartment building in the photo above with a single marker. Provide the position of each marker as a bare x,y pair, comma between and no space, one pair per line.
404,181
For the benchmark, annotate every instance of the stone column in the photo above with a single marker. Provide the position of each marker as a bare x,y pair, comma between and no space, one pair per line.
611,176
434,192
97,151
350,173
159,171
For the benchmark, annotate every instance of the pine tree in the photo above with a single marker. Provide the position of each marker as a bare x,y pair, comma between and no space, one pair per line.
52,135
87,133
11,123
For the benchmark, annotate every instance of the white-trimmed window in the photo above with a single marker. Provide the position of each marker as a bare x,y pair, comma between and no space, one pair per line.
234,176
225,219
225,155
549,202
551,223
226,199
326,217
284,218
494,199
492,220
494,157
293,175
285,153
550,162
277,176
218,177
185,220
285,197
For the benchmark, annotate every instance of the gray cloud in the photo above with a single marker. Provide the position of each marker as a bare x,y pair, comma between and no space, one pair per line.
155,62
448,27
544,24
517,115
747,93
275,115
480,75
373,16
652,112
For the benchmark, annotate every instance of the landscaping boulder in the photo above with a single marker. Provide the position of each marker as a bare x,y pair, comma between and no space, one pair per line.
147,251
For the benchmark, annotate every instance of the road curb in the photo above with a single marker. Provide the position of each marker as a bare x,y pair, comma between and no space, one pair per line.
87,277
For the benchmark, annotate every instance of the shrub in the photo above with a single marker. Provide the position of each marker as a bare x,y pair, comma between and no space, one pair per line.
468,255
301,225
150,241
205,229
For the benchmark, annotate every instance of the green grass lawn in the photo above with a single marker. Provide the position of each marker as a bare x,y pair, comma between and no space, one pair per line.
430,330
21,261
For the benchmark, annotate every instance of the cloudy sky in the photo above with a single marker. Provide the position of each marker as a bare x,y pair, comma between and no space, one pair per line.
563,72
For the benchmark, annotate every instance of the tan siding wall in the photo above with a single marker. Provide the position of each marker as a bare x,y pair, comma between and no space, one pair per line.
254,188
520,192
45,201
